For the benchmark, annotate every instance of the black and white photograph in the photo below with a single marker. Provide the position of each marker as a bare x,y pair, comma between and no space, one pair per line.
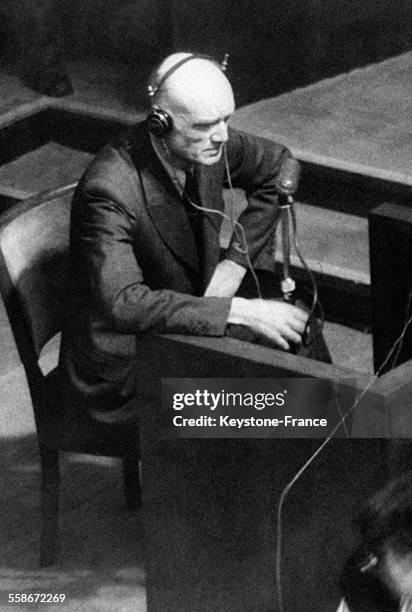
206,305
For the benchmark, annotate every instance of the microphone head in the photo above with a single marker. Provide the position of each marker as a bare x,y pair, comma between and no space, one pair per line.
287,180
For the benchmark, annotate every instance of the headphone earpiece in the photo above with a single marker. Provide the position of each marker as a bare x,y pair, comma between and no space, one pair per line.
159,122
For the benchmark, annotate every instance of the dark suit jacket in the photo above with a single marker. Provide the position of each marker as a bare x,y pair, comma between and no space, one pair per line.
135,267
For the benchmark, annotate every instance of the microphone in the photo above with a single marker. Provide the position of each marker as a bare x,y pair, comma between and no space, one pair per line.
286,184
287,180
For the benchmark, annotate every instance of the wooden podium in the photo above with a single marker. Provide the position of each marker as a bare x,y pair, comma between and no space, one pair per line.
210,504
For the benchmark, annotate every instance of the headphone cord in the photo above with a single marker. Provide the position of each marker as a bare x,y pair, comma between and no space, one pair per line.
237,228
316,303
239,232
236,223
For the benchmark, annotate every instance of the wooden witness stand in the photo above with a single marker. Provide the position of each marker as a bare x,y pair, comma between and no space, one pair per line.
210,504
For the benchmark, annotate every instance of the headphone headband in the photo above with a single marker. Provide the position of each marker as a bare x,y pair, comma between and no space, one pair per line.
153,89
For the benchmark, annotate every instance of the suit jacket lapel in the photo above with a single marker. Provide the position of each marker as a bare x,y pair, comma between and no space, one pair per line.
166,209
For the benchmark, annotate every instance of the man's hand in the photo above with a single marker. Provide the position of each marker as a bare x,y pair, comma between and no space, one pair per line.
279,321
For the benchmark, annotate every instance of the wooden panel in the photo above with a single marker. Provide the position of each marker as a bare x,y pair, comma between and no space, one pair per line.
395,388
390,234
210,505
49,148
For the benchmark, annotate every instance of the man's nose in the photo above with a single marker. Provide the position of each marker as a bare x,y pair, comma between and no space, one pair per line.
220,134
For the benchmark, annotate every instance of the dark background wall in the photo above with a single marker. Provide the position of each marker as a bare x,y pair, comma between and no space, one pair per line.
275,45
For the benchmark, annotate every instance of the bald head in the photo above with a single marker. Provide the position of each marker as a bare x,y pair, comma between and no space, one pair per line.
198,81
199,99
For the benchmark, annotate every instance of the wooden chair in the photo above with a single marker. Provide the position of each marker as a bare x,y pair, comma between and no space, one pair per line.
34,238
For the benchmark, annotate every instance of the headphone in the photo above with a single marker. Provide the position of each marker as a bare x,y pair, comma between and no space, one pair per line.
158,120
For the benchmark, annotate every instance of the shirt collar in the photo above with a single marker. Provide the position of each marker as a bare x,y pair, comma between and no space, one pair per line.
177,175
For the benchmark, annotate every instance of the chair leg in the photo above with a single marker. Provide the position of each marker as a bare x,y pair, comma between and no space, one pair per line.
131,479
50,481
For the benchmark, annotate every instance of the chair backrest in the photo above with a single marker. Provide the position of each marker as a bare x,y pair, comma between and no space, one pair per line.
34,284
34,240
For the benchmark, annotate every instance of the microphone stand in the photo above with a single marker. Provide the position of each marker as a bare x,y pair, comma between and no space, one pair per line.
287,284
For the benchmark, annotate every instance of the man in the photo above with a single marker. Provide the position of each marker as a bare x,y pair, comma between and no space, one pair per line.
378,576
143,263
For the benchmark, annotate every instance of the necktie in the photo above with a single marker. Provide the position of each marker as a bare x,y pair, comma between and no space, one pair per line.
190,196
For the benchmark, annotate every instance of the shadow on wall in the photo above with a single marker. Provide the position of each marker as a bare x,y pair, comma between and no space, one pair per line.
32,34
275,46
40,36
